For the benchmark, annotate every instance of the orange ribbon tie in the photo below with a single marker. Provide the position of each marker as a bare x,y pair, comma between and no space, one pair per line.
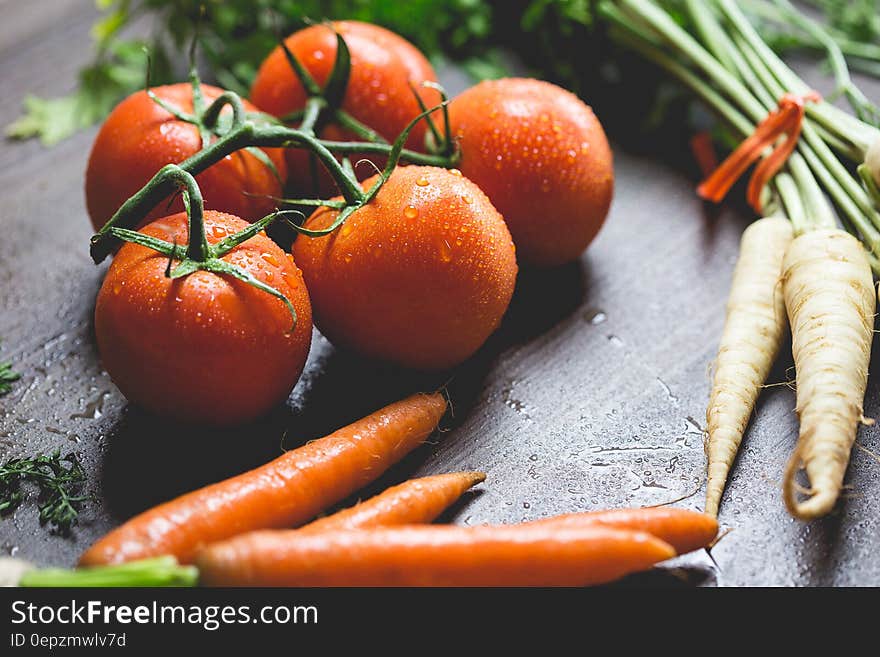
786,119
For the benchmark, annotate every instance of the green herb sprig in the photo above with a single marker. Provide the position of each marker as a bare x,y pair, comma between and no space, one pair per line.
8,376
58,480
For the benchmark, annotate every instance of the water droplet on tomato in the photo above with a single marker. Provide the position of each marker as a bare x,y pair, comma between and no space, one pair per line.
455,172
347,257
445,251
422,182
219,232
345,230
410,212
467,199
269,258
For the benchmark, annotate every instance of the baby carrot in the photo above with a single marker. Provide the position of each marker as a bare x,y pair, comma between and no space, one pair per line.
684,530
285,492
529,554
412,502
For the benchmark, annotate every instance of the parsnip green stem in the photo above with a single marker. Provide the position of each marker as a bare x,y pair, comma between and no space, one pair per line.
836,120
850,197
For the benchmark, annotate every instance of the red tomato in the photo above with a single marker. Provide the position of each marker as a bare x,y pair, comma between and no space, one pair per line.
541,156
139,138
420,276
378,94
205,347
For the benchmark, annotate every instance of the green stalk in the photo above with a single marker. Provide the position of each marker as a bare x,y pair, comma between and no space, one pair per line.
707,94
835,120
863,108
348,147
160,571
312,112
198,249
818,212
791,201
227,98
161,186
847,193
676,36
711,33
347,121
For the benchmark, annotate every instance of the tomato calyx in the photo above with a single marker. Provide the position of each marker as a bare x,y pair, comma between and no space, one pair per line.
437,143
198,254
212,123
324,105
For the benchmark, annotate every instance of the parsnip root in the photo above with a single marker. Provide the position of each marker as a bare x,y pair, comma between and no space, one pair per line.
829,296
752,334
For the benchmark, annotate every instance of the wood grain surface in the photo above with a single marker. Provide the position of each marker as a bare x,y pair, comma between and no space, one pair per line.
592,394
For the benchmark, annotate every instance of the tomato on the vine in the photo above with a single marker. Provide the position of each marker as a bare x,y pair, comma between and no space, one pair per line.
205,347
140,137
385,69
542,157
420,276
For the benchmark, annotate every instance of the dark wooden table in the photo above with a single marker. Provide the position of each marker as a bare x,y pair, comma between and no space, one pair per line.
592,394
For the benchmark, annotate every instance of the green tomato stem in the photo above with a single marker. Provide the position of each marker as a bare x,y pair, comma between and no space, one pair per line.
227,98
342,147
312,112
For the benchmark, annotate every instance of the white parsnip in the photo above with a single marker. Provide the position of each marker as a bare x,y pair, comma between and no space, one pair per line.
829,296
753,331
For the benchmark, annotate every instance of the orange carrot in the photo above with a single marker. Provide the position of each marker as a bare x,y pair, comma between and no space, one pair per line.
684,530
529,554
413,502
285,492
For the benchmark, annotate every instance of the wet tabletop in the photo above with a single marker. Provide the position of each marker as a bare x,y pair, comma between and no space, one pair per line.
591,395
